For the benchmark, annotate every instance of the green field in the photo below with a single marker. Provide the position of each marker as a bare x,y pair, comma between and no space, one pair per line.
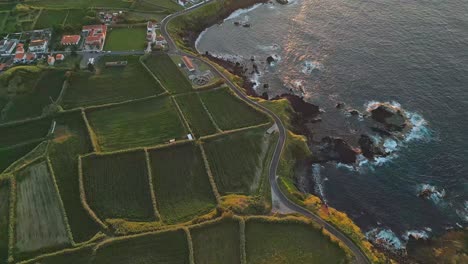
181,183
111,84
196,116
168,73
168,5
139,124
119,39
295,243
39,220
239,161
169,247
75,17
81,3
230,112
72,256
70,140
217,243
20,133
4,219
10,155
117,186
49,18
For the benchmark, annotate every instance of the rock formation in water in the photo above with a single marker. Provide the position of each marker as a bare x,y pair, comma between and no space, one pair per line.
391,117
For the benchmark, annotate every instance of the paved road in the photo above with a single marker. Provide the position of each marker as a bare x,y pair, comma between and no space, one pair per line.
360,257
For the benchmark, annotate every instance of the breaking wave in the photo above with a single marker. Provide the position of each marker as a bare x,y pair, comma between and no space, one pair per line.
431,192
416,234
309,66
240,12
386,238
319,189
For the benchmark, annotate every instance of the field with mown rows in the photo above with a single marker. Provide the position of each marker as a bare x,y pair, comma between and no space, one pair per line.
9,155
117,186
24,132
196,116
4,219
50,17
122,39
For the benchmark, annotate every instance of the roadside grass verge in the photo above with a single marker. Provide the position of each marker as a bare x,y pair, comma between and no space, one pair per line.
141,124
168,73
229,111
239,161
117,186
217,243
122,39
110,84
270,241
24,132
49,18
4,219
181,183
197,118
167,247
70,139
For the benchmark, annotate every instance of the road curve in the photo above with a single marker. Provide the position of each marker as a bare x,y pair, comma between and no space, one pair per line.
360,257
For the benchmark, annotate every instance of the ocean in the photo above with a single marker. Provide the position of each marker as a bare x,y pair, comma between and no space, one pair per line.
412,54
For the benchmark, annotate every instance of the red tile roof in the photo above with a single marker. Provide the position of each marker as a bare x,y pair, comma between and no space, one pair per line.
30,56
37,42
70,39
188,62
19,56
59,56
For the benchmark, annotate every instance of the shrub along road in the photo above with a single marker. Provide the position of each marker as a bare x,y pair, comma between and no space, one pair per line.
359,255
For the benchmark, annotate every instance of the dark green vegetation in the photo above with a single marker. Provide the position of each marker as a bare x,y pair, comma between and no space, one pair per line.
10,155
49,18
4,219
217,243
144,123
276,242
81,3
230,112
168,247
71,140
75,17
126,39
74,256
117,186
195,113
168,73
181,183
110,84
24,132
239,160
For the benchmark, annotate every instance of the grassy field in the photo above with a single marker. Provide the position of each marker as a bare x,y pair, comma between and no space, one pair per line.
111,84
49,18
181,183
217,243
39,220
70,140
4,219
75,17
168,73
230,112
81,3
10,155
270,242
16,134
126,39
168,247
117,186
196,116
158,5
139,124
239,160
73,256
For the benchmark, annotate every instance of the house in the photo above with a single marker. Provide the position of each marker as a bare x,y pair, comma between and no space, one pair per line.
30,57
188,63
60,57
19,57
160,40
150,32
69,40
50,60
95,37
7,46
38,45
19,48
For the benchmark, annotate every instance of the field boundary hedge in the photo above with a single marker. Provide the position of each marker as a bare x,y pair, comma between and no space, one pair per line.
151,73
109,105
150,181
243,252
12,169
92,136
209,114
12,220
232,131
214,188
190,245
56,253
181,116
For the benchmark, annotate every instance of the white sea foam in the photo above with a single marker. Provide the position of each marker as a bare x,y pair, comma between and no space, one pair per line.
416,234
463,212
419,128
386,238
197,41
390,145
240,12
255,78
436,195
319,189
309,66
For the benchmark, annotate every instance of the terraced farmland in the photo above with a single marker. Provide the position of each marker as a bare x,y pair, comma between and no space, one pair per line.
4,219
139,124
197,118
24,132
168,73
230,112
117,186
167,247
181,183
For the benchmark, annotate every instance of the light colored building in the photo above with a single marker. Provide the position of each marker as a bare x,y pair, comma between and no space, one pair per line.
95,37
188,63
50,60
19,48
38,45
150,32
7,46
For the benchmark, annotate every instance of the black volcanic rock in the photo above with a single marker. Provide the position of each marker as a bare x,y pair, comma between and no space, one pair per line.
307,110
336,149
270,60
283,2
368,148
391,117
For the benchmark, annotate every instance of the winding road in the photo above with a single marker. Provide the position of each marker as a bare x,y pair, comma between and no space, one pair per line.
360,257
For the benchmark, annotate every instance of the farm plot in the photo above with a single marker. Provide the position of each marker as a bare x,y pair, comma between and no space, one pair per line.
217,243
39,220
181,183
72,256
70,140
239,160
287,242
138,124
168,73
167,247
168,5
9,155
195,114
123,39
117,186
49,18
24,132
230,112
110,84
4,219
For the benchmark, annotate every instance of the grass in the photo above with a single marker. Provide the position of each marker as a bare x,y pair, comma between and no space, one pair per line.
71,140
39,220
239,160
217,243
195,113
49,18
10,155
181,183
168,73
158,5
117,186
111,84
270,242
123,39
81,3
20,133
75,17
4,219
230,112
168,247
139,124
80,255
